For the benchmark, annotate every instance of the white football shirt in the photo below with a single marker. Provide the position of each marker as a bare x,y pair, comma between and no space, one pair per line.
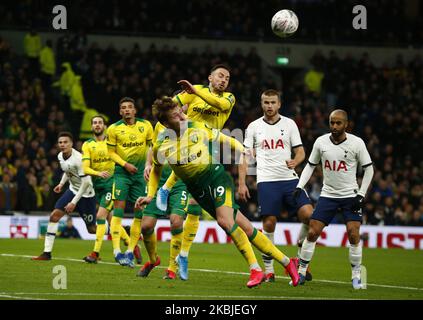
72,166
339,164
273,144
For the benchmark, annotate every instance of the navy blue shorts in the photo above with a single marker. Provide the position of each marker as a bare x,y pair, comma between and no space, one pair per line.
86,207
327,208
274,196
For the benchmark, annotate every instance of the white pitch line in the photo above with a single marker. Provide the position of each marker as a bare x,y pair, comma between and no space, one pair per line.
229,272
5,295
169,296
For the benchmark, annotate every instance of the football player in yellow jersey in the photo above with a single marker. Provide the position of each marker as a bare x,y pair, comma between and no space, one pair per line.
212,105
97,163
128,142
176,210
186,147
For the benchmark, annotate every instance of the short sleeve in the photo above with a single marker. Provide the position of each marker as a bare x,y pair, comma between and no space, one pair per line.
363,155
315,155
81,172
295,136
249,136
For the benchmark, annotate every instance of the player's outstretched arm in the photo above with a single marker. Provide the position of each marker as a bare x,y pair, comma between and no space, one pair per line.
235,144
221,103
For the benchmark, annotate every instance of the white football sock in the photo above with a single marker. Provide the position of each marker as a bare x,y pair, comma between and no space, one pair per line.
355,255
255,266
301,236
50,236
268,261
183,253
306,254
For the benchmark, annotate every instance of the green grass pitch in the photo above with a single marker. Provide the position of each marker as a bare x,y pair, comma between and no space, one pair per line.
217,272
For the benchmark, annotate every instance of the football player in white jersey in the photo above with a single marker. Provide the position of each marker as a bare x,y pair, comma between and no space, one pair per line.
79,196
341,154
272,139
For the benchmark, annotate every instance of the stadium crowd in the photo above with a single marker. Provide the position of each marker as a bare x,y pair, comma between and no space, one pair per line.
383,105
234,19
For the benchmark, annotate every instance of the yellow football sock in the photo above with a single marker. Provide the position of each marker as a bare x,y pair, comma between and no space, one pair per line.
135,234
261,242
190,230
150,243
115,226
243,245
175,248
99,234
124,235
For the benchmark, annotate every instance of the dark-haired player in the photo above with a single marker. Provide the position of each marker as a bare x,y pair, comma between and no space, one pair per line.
341,154
128,142
79,196
211,105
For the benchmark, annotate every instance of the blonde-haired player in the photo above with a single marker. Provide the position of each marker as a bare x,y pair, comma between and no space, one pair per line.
186,147
212,105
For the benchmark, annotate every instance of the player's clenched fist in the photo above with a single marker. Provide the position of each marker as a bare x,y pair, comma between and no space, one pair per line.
142,201
58,188
131,168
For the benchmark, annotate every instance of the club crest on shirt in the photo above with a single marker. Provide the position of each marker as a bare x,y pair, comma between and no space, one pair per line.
194,138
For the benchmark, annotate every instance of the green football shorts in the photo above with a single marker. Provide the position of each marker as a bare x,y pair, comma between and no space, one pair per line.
129,187
178,200
218,191
103,192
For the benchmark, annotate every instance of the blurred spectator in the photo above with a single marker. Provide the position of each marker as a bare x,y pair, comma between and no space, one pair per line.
48,64
8,194
32,48
69,231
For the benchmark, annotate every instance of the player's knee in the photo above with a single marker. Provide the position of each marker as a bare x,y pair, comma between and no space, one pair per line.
353,236
269,224
176,223
147,230
313,234
55,216
224,223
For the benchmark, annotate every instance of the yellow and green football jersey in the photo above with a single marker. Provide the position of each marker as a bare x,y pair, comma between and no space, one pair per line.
131,142
200,110
96,152
190,156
